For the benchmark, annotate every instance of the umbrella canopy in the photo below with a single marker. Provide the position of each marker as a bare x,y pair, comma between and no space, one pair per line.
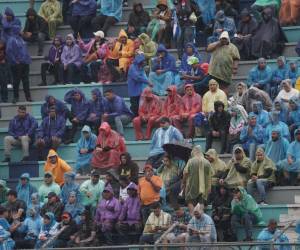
179,150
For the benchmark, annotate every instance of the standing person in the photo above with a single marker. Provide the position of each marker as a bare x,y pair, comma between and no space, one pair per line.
51,11
17,54
197,176
21,131
71,60
47,187
35,30
25,189
82,14
136,80
53,62
5,73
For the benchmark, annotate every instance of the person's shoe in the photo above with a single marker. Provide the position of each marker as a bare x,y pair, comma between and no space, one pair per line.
125,4
262,203
29,99
40,53
43,84
25,158
15,100
6,159
248,239
107,82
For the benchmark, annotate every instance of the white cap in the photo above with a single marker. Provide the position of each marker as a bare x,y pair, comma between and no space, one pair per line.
99,33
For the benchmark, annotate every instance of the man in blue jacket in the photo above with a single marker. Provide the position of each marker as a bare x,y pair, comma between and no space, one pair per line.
51,132
61,108
116,111
137,79
21,132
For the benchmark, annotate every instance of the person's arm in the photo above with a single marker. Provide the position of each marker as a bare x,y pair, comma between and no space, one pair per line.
33,126
244,135
61,127
156,183
11,128
268,77
118,107
40,130
213,46
84,113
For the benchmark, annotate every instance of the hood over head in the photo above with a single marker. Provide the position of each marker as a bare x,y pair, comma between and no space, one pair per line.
58,37
274,116
217,104
173,90
109,188
144,38
105,127
212,153
97,92
25,176
31,12
225,35
139,59
122,33
71,37
220,16
258,105
147,92
9,12
297,132
70,175
86,128
52,153
197,151
162,48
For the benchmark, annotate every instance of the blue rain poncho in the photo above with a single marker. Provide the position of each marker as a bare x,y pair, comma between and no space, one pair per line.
262,116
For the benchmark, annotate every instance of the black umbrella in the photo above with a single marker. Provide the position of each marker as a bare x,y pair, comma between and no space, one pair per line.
179,150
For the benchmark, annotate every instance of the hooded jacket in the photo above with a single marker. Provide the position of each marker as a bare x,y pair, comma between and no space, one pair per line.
96,107
173,105
71,54
138,19
124,50
219,121
260,76
79,108
84,8
148,47
184,66
149,108
51,10
167,63
52,127
111,8
10,28
69,186
116,107
192,104
137,77
22,126
60,108
38,24
25,191
55,52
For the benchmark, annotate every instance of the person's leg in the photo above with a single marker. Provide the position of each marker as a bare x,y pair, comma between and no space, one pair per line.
109,22
235,222
134,104
61,73
150,125
223,138
123,231
191,126
56,74
137,125
71,73
252,150
248,225
95,66
251,185
120,121
180,43
84,25
84,73
25,140
74,22
111,65
145,211
146,239
98,22
9,141
16,75
25,81
44,68
209,139
40,145
40,39
4,91
261,185
55,143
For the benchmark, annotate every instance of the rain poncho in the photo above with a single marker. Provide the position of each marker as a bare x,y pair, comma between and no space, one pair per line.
58,169
10,28
6,243
239,171
96,107
237,122
184,66
260,76
22,126
280,73
25,191
191,104
237,99
247,205
71,54
32,225
255,138
276,150
44,190
111,8
95,191
149,108
266,235
69,186
289,12
199,172
83,160
262,116
3,191
60,108
293,74
112,145
75,209
208,9
148,47
282,109
173,105
50,229
285,96
294,115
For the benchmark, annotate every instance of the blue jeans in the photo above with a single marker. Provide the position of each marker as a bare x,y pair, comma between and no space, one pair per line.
247,220
261,185
119,121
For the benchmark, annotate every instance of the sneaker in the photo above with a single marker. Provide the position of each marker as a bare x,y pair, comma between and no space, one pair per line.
29,99
107,82
6,159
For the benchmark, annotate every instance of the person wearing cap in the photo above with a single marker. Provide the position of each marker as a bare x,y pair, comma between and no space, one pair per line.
271,233
251,136
25,189
148,113
109,146
16,208
50,132
262,116
157,223
163,70
194,72
130,221
91,190
56,166
246,212
21,131
94,50
48,230
107,214
69,186
214,94
85,148
163,135
245,30
219,123
53,205
222,23
149,189
48,186
239,169
201,227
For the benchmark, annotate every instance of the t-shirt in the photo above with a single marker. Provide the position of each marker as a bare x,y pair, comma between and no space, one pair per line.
147,193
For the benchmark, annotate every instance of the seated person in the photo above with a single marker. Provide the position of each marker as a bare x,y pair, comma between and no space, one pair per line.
96,109
53,205
116,111
79,111
35,30
61,108
128,168
262,116
163,70
74,207
279,74
51,11
129,224
57,166
149,112
147,47
291,165
112,179
71,60
201,227
251,136
50,133
25,189
109,146
294,115
94,50
21,131
237,97
69,186
293,73
287,92
85,148
260,76
157,223
239,169
49,229
47,187
190,51
282,109
214,94
16,208
219,123
195,72
276,147
165,134
159,28
251,213
53,62
262,175
138,21
107,214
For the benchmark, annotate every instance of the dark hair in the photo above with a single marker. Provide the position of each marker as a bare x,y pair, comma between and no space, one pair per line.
123,178
164,119
2,210
108,91
52,108
22,107
156,205
272,221
13,193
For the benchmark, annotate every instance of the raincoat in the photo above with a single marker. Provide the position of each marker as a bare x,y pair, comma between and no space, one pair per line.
260,76
208,10
71,54
192,104
94,190
148,47
238,122
84,8
31,226
83,160
173,105
228,25
96,107
3,191
265,235
10,28
7,243
262,116
112,146
80,108
22,126
237,99
50,229
116,107
210,98
280,73
69,186
276,150
199,173
294,115
282,109
293,74
289,12
111,8
239,171
75,210
25,191
184,66
256,137
60,108
246,204
58,169
44,190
